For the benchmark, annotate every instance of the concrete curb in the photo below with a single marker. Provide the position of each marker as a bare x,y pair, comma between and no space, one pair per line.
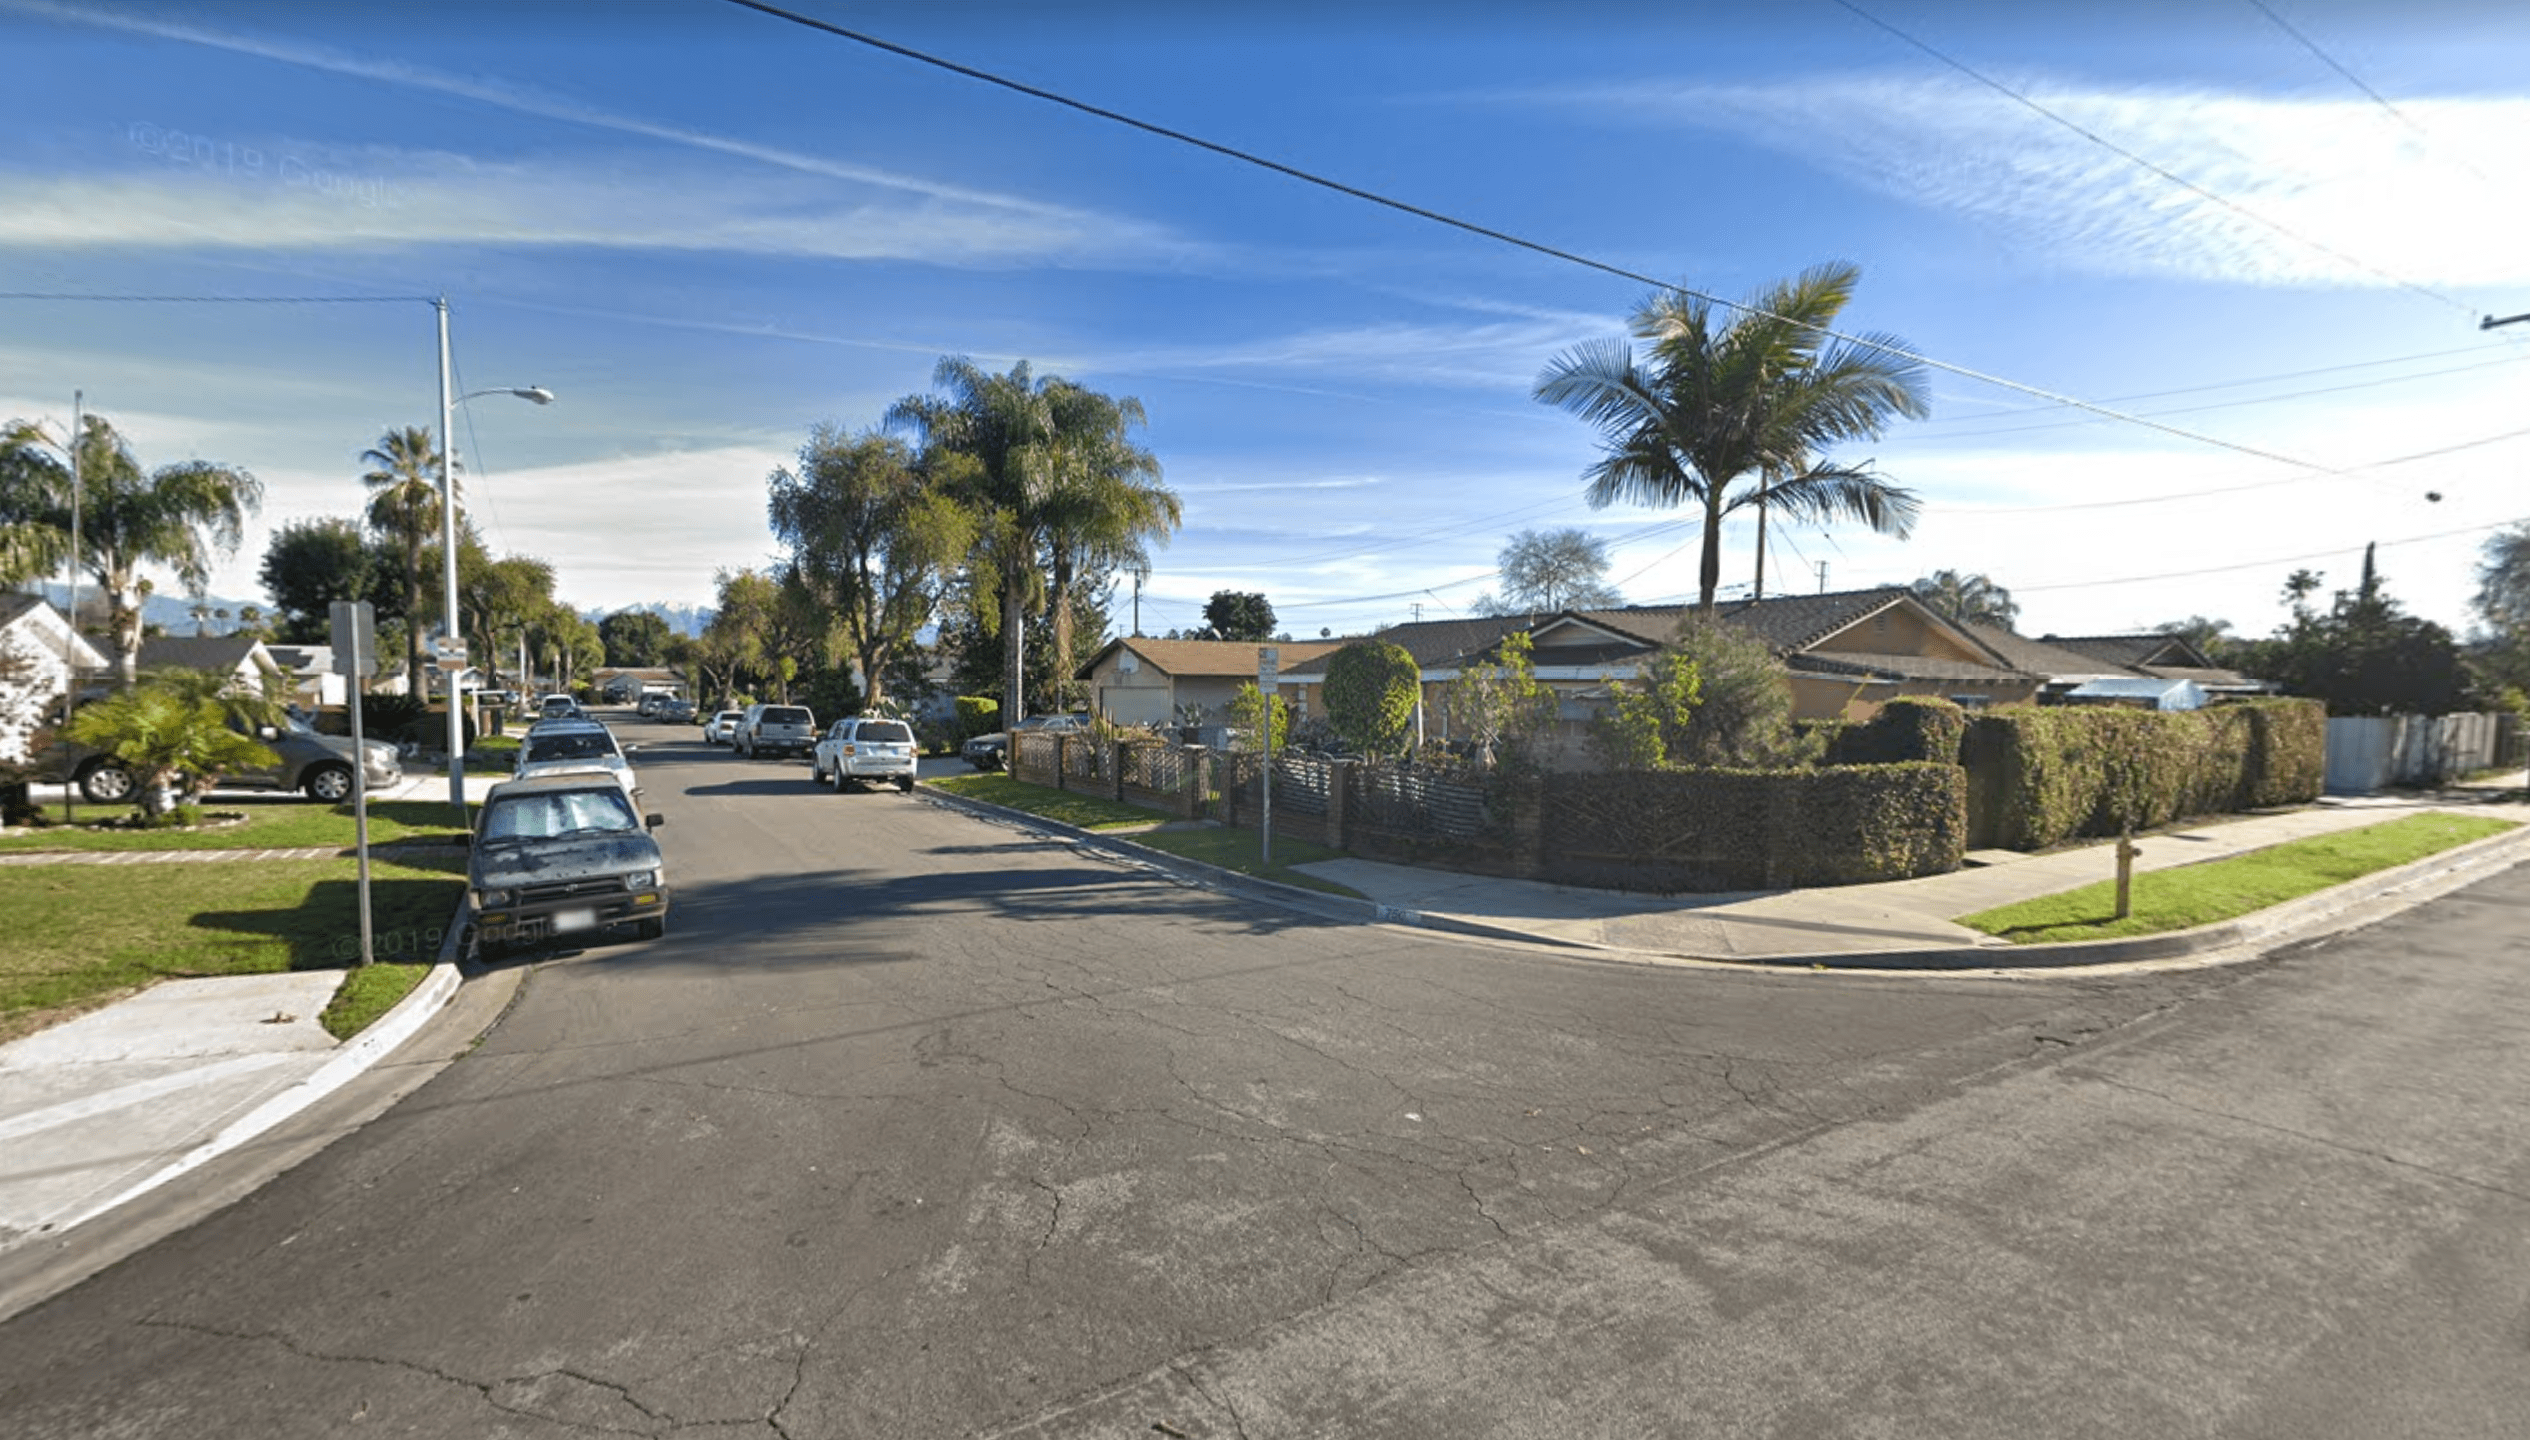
2276,923
348,1062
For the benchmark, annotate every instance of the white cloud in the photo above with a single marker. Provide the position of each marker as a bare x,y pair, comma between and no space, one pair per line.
2338,173
382,199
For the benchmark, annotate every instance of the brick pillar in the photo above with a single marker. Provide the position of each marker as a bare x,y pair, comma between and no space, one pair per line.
1115,770
1528,826
1194,778
1060,740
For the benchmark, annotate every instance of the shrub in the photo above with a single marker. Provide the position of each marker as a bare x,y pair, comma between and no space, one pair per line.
1371,689
2041,776
1910,727
1744,713
1248,712
977,715
1730,829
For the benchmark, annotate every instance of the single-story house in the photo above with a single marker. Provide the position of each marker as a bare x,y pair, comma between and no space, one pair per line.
39,653
313,683
2162,657
247,661
1140,681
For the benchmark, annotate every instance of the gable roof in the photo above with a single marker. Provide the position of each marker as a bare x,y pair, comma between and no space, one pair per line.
223,653
18,608
1210,659
2041,658
2136,651
1434,644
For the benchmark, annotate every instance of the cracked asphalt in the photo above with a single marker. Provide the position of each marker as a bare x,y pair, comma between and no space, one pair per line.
922,1126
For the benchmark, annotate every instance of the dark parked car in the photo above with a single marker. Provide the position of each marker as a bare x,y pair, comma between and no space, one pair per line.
561,855
992,751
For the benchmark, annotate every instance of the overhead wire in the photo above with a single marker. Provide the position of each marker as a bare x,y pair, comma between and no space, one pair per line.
2141,162
2275,560
2375,96
1505,237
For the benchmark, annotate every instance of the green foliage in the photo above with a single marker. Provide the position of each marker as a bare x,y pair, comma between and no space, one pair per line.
168,735
2042,775
1248,712
634,637
1371,688
2364,656
1647,720
1743,714
1737,829
1239,615
829,693
1501,710
310,564
1969,599
977,715
1910,727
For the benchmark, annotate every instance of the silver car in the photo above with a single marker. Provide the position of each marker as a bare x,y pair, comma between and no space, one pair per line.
558,747
864,748
776,730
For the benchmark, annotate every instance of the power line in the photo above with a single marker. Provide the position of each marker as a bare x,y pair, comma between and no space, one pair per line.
2262,564
2131,157
2512,359
2347,473
1502,236
2375,96
222,299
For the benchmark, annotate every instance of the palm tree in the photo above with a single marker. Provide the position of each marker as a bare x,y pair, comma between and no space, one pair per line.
1969,599
1704,409
403,481
178,516
1104,502
986,439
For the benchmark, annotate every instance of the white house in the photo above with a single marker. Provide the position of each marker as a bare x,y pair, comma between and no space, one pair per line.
38,654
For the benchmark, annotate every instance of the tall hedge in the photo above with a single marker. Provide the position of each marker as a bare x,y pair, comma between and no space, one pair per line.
1370,690
2039,776
1910,727
1723,829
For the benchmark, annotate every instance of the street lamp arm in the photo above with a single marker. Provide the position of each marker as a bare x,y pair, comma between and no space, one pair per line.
2490,322
537,393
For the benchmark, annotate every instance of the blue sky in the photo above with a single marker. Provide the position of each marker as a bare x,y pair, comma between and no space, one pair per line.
707,230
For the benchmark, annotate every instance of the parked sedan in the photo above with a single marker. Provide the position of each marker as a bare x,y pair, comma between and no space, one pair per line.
561,855
866,749
722,728
992,751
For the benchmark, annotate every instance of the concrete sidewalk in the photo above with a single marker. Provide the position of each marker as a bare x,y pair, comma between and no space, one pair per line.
1906,921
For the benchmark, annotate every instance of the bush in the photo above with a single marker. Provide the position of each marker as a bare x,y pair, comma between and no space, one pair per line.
977,715
1371,688
1910,727
2042,776
1737,829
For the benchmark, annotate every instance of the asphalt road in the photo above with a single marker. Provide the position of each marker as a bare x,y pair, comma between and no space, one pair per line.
917,1125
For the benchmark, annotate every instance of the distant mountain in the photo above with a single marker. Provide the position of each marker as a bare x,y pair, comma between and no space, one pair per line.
173,613
687,620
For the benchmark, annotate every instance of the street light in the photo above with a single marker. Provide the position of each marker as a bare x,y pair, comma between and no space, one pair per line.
448,404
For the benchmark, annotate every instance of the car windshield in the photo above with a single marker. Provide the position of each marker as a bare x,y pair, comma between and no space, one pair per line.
558,813
569,745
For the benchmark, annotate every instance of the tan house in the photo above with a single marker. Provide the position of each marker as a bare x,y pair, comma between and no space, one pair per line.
1140,681
1847,652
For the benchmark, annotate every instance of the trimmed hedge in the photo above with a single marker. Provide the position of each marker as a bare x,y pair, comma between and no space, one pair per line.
1716,829
1910,727
2039,776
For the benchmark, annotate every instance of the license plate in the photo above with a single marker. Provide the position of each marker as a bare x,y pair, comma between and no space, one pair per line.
565,921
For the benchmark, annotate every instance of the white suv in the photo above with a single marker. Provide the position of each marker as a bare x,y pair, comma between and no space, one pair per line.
864,748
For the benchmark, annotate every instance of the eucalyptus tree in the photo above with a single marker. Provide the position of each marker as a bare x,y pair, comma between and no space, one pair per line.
875,539
403,480
1722,416
178,516
1544,571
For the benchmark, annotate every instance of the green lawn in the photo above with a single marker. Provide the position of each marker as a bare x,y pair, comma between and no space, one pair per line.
1237,850
273,822
79,935
1089,812
2218,890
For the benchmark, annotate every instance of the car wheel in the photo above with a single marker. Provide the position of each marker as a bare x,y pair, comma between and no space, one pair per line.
330,784
106,784
650,929
905,784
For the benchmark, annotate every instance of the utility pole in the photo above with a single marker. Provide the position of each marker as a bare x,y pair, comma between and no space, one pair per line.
1822,577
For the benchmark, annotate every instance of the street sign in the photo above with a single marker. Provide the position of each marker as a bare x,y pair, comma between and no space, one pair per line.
355,638
1268,664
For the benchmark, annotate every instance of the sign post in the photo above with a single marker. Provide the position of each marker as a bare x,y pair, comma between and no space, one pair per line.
356,655
1268,662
